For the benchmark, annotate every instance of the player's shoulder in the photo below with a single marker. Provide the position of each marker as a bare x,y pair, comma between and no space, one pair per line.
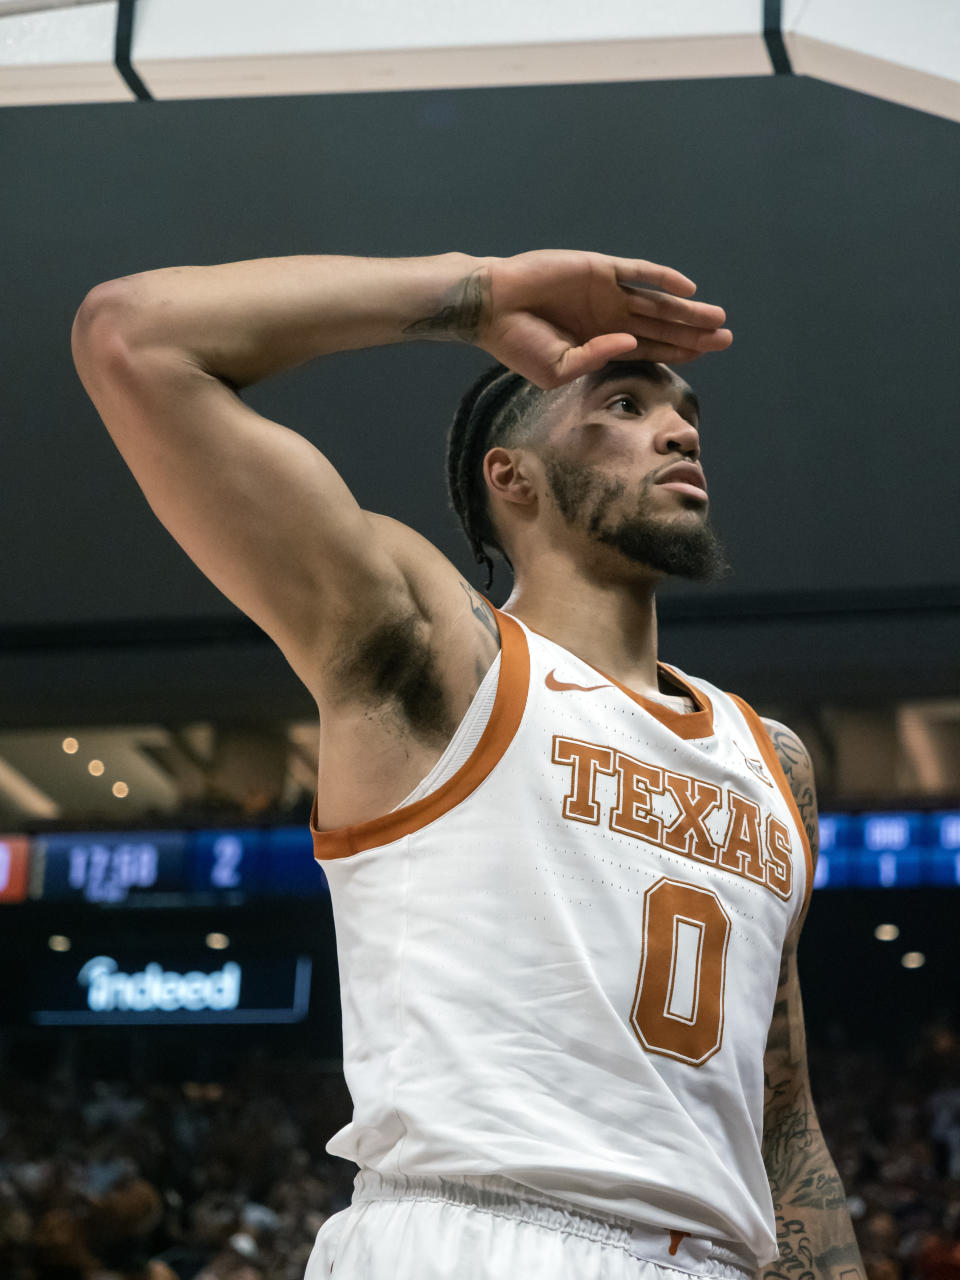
794,760
789,746
797,766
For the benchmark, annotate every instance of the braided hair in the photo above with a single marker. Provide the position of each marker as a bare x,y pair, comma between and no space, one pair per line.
497,410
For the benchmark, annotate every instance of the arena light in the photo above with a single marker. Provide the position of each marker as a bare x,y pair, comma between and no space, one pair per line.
913,960
217,941
101,52
59,942
886,932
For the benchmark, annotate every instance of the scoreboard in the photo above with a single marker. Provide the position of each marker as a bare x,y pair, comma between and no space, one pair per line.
889,850
160,868
231,866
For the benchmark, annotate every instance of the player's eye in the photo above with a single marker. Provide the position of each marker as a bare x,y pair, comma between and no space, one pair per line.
631,404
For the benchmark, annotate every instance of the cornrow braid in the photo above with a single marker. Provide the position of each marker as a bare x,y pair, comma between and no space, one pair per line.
491,412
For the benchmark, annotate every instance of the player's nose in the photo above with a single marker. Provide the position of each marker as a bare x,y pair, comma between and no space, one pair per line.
677,435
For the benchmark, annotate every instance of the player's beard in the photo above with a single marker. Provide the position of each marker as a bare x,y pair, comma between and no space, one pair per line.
680,547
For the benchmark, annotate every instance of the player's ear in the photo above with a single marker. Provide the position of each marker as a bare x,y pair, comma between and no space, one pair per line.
507,474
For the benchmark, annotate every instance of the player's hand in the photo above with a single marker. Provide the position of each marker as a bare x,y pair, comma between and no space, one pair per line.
556,314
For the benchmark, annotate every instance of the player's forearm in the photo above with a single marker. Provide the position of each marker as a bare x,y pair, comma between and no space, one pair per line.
814,1230
243,321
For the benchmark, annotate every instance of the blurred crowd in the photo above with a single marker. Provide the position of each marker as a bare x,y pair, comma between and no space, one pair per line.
112,1181
892,1123
200,1181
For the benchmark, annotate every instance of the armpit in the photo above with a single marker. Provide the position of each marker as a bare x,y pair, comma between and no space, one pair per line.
394,663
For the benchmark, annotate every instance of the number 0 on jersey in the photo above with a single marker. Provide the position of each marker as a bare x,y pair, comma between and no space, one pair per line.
678,1007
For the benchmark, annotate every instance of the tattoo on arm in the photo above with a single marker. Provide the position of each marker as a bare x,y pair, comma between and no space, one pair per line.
814,1231
465,310
798,767
482,611
795,1153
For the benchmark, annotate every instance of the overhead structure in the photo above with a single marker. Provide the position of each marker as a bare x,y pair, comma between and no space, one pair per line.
120,50
906,53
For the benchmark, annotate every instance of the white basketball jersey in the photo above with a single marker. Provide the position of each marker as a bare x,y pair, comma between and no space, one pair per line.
559,967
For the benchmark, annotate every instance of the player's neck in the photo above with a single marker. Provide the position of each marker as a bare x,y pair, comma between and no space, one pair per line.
612,626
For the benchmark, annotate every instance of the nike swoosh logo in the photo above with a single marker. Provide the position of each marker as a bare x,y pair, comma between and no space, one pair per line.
561,686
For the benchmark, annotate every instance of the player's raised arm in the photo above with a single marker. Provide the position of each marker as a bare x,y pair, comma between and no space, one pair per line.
814,1229
256,506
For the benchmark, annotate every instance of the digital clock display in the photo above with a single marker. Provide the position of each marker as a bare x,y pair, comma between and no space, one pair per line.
114,867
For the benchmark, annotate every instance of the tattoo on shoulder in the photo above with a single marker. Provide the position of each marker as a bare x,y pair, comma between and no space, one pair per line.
462,314
798,767
482,611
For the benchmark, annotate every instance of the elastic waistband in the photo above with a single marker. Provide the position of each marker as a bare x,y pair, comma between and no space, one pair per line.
506,1198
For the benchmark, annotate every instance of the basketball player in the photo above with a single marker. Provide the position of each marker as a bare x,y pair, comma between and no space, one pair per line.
568,879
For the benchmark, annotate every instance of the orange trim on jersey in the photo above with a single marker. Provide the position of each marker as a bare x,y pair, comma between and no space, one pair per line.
511,698
685,724
772,761
698,723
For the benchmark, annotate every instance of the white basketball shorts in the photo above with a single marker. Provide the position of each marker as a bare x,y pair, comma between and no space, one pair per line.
486,1229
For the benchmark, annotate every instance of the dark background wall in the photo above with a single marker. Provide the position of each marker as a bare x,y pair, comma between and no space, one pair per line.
824,221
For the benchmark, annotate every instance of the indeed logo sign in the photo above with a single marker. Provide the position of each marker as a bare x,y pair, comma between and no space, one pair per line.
156,988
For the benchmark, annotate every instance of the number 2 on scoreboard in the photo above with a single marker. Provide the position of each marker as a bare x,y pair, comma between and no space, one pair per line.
678,1007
